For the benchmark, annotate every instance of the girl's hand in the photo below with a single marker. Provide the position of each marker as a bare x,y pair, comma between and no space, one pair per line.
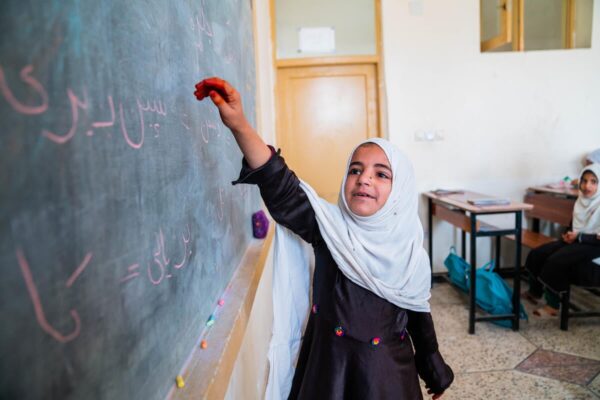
434,396
569,237
229,103
227,100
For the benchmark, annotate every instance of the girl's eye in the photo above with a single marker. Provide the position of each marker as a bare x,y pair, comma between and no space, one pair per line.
383,175
354,171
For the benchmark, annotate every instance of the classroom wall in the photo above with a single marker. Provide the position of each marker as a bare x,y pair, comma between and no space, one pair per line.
505,120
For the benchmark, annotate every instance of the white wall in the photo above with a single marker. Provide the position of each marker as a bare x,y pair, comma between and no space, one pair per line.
508,120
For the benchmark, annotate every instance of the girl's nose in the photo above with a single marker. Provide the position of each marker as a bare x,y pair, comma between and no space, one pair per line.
365,178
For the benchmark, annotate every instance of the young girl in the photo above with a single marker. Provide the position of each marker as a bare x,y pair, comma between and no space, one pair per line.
371,281
593,157
555,261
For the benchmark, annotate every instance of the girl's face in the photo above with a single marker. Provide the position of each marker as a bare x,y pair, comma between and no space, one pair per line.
588,184
369,181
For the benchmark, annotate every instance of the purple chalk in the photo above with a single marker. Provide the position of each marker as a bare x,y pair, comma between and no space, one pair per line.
260,224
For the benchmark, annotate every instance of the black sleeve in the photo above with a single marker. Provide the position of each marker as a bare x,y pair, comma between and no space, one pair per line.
286,201
430,365
589,239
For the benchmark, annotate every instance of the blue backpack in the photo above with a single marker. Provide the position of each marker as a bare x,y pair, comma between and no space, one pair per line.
492,293
458,269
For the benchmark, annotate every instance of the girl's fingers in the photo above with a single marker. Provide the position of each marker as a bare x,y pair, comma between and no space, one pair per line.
201,91
216,98
224,89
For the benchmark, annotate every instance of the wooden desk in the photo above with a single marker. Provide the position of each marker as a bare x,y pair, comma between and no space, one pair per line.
551,204
564,192
455,209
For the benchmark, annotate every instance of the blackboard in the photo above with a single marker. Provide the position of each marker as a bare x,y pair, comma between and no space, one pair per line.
119,226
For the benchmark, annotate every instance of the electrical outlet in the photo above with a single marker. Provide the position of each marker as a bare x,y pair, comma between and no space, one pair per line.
428,135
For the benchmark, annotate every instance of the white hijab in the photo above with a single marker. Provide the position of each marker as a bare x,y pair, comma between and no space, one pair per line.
383,253
594,156
586,213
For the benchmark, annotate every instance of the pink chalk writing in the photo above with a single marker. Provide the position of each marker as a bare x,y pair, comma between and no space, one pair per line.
206,127
156,128
160,251
37,304
35,85
220,213
76,104
156,281
184,119
159,267
156,107
79,105
186,252
135,145
202,23
79,270
132,272
107,124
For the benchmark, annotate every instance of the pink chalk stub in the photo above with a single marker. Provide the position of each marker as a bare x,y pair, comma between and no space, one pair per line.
260,224
221,302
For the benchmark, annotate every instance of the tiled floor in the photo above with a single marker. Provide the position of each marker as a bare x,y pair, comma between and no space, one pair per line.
538,362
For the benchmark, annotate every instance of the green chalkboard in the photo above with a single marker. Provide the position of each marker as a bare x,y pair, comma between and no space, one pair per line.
119,226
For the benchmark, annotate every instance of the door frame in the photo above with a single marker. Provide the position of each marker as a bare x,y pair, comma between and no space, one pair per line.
376,59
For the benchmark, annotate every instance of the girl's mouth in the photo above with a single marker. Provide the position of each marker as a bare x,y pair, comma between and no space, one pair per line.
362,194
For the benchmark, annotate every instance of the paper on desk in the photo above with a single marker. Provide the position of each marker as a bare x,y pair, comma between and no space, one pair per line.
488,201
596,261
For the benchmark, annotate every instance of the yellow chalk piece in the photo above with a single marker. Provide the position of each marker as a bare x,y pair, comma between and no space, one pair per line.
180,381
203,344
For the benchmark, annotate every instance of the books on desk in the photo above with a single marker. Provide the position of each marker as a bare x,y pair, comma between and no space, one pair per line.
489,201
445,192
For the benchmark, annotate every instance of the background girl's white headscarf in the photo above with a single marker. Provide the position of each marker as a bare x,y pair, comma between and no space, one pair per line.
383,253
586,213
594,156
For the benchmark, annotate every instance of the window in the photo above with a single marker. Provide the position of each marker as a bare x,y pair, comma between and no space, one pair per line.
520,25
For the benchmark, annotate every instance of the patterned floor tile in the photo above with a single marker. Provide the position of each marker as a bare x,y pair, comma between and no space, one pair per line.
538,362
509,385
564,367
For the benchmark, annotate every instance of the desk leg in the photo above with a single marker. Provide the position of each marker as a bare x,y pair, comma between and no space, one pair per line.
517,279
498,243
463,237
535,225
473,238
430,234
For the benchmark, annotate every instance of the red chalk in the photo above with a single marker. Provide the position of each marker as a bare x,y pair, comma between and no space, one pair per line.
205,87
203,344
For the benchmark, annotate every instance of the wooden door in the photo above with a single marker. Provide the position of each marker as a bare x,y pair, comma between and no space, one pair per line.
322,113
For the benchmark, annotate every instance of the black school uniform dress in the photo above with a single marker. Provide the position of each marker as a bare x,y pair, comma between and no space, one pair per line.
558,264
356,345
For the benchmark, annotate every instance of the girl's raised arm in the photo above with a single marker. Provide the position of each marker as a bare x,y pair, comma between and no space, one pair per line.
229,103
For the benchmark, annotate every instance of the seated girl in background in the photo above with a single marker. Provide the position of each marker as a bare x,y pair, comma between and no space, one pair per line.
554,262
371,283
593,157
